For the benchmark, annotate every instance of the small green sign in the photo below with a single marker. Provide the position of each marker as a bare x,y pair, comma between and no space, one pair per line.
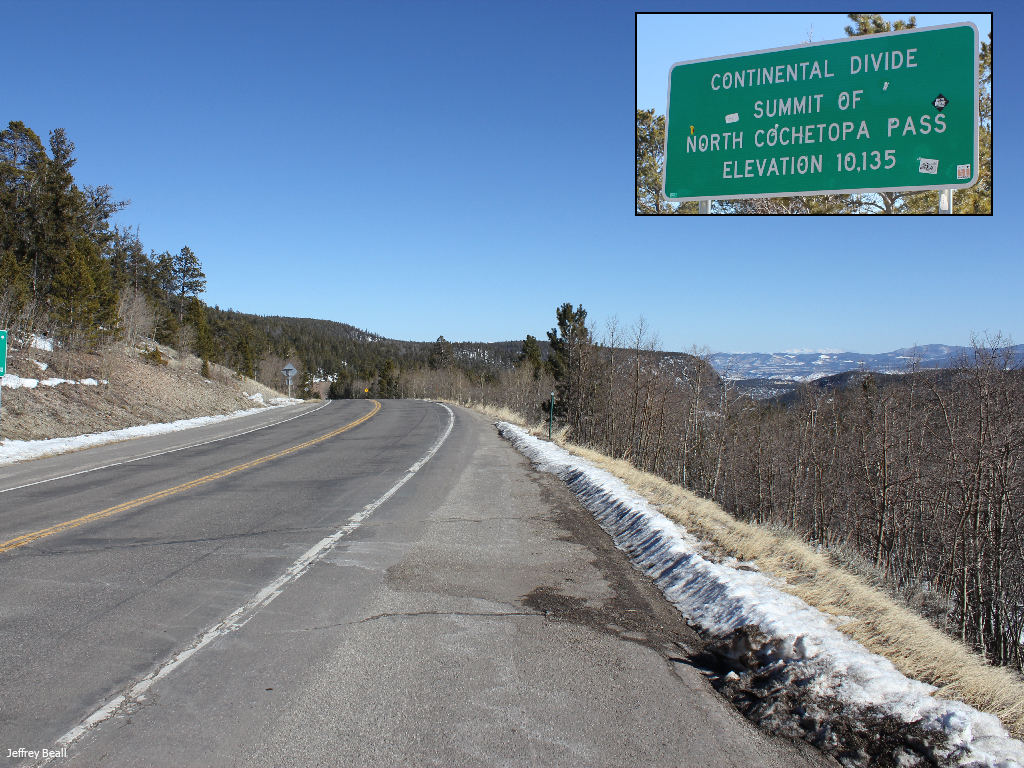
3,353
887,112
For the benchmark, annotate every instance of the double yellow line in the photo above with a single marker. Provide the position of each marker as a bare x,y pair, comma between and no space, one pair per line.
27,538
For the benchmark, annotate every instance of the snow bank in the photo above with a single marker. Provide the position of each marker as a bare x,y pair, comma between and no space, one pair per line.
11,381
12,451
796,643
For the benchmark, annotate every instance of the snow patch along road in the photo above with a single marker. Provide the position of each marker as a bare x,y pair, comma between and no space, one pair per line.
801,642
12,381
12,451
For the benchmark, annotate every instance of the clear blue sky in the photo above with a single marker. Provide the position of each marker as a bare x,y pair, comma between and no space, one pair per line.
462,168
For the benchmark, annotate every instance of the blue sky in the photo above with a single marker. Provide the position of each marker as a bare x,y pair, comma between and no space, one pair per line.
462,168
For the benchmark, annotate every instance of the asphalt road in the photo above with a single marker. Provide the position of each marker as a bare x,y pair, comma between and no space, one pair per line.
336,590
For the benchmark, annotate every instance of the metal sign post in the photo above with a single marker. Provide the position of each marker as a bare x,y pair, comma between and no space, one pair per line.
3,360
551,416
289,371
896,111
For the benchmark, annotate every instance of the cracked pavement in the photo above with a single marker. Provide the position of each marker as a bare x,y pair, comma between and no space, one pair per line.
479,617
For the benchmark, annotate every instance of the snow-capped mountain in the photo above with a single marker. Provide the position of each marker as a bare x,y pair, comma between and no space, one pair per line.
804,365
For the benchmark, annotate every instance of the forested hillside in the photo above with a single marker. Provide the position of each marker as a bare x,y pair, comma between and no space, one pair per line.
919,478
68,273
915,479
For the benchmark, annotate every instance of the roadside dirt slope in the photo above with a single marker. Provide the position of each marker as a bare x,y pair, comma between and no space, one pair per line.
130,390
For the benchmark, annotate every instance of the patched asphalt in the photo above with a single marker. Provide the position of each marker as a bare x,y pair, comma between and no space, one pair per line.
479,617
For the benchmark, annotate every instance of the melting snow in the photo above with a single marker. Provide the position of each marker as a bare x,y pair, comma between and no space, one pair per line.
12,381
41,342
721,599
12,451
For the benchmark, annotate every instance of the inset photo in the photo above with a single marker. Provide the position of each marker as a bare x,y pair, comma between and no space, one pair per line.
813,113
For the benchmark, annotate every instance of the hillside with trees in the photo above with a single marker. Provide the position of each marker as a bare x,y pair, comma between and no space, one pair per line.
917,478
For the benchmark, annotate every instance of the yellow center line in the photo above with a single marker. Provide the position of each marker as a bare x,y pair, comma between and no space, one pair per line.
27,538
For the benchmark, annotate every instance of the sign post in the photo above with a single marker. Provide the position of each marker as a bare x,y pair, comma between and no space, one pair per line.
289,371
551,415
896,111
3,361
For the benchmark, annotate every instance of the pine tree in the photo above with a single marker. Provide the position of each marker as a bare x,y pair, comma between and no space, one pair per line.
441,355
196,317
388,380
650,164
307,387
245,357
189,280
14,289
23,163
55,223
978,199
73,294
570,342
530,354
164,280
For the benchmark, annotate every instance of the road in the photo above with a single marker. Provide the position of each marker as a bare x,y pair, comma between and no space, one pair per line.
359,584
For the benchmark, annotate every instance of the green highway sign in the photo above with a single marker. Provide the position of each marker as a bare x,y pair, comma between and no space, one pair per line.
3,353
876,113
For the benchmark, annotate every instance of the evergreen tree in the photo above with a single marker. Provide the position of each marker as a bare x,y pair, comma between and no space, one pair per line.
650,161
570,342
650,164
165,289
307,387
23,164
196,317
14,289
342,388
530,354
189,280
55,223
129,265
83,303
441,355
978,199
164,279
387,380
873,24
245,357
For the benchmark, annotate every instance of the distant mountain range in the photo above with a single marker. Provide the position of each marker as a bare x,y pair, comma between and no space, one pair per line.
807,366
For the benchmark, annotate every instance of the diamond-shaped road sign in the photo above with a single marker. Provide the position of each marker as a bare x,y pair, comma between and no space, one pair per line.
289,370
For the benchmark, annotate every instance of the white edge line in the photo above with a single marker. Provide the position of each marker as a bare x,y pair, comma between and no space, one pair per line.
241,615
161,453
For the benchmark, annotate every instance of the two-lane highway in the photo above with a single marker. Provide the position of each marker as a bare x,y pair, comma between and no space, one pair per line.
107,572
366,584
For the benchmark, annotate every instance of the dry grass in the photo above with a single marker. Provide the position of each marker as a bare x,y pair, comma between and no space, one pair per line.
137,393
870,616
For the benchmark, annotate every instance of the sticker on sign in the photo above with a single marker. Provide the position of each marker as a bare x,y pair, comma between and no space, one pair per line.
864,114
